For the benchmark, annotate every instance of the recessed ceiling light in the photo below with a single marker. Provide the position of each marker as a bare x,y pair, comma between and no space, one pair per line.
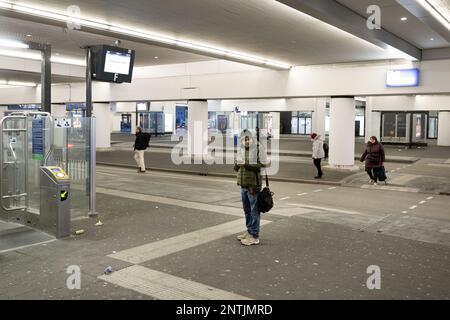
404,18
432,39
29,35
156,57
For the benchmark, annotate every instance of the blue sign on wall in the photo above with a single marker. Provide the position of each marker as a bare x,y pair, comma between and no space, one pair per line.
75,106
403,78
24,107
37,140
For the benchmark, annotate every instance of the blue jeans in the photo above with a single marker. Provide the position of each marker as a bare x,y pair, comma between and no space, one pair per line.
252,215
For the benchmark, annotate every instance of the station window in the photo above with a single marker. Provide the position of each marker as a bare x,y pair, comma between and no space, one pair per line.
301,123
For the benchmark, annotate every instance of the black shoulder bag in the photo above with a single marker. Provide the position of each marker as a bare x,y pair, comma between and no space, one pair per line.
265,196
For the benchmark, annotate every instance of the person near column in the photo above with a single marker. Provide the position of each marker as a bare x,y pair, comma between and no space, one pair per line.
140,144
317,154
374,158
250,159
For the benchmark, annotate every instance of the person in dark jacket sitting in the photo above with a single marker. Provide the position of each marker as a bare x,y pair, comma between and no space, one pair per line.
374,158
140,144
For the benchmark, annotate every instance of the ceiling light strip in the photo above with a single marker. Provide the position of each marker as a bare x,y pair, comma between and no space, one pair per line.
434,12
17,83
141,34
37,56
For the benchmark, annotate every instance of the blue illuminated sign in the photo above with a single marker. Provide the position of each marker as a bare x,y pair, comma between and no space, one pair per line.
403,78
37,140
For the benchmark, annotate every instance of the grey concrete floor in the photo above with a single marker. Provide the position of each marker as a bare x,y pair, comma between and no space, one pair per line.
317,244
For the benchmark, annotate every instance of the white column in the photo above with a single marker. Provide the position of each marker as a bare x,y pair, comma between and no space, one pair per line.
373,121
444,129
197,143
3,109
275,125
319,117
103,116
342,133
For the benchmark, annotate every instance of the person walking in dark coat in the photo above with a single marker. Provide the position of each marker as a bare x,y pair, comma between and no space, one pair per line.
374,157
140,144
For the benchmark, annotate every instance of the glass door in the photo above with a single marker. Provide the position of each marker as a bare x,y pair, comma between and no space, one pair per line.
419,127
14,191
395,127
433,125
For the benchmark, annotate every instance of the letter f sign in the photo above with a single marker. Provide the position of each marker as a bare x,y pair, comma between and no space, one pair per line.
374,20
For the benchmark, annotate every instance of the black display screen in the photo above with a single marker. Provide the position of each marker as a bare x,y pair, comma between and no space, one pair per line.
112,64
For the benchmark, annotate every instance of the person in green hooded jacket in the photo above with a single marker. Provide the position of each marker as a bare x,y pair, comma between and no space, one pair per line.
251,158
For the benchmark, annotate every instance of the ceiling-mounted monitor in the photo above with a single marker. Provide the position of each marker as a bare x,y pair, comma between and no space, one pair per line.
403,78
112,64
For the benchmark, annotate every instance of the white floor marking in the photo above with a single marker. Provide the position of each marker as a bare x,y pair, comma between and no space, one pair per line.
27,246
332,188
413,207
107,174
430,198
285,198
306,206
422,202
302,194
164,286
404,211
185,241
390,188
318,190
174,202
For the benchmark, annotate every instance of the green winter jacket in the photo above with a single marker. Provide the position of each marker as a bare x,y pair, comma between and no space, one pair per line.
248,168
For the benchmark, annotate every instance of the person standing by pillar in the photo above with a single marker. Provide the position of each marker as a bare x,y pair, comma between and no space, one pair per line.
317,154
374,157
140,144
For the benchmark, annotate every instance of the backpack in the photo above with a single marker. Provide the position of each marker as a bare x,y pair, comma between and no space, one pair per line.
147,139
325,149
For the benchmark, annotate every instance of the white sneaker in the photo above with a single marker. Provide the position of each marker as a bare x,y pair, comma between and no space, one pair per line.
243,236
250,241
374,183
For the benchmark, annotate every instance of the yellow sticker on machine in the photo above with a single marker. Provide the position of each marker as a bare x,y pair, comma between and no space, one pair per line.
64,195
59,173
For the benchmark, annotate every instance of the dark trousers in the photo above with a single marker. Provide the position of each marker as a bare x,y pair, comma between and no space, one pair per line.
373,173
317,163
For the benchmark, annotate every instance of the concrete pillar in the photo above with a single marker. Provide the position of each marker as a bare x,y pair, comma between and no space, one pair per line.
373,121
236,123
444,129
197,136
318,125
103,116
275,125
342,133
